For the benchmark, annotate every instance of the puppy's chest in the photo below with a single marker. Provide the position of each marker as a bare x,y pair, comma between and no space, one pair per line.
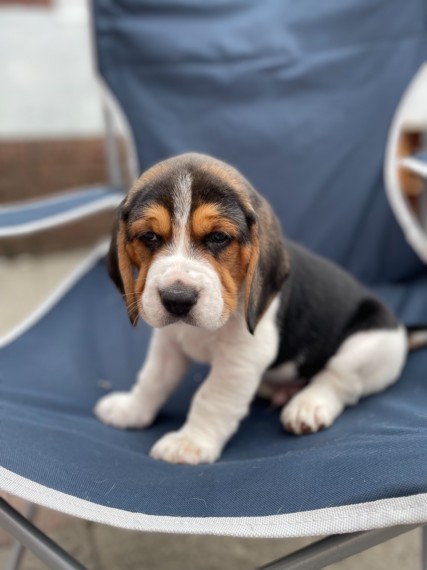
198,345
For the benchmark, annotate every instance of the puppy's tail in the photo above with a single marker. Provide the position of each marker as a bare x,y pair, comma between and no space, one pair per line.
417,337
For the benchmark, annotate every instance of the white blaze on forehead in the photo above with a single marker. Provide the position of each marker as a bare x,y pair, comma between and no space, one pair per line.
182,209
182,198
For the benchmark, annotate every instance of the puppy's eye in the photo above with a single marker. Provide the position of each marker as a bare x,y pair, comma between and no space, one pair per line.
150,239
217,238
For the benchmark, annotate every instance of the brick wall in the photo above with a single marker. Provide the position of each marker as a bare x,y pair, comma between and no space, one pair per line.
29,169
39,167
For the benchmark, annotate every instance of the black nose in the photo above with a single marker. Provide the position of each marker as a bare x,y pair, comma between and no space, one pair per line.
178,299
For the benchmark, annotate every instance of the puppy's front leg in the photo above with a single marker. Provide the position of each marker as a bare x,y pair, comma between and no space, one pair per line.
164,367
219,405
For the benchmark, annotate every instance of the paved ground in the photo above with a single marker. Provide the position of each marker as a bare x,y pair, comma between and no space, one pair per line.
23,283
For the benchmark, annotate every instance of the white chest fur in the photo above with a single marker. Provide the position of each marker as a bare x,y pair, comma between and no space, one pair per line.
232,340
197,344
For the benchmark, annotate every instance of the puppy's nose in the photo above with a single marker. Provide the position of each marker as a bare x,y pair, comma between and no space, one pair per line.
178,299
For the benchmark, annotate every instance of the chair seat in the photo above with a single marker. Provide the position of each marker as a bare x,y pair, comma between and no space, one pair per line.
368,470
43,213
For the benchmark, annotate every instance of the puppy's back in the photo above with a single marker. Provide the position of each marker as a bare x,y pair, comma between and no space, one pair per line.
321,305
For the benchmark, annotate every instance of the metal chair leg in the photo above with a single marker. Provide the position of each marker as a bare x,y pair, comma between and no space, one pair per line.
335,548
32,538
112,150
424,547
17,549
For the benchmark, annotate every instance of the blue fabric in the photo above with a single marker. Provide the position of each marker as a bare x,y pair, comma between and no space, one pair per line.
45,208
51,378
298,95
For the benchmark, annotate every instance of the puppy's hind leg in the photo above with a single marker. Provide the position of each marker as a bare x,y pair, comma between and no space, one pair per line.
366,362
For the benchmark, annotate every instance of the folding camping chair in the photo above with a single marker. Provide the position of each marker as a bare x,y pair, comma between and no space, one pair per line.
299,96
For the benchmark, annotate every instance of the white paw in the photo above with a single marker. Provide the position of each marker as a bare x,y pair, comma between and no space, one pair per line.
123,410
310,411
182,447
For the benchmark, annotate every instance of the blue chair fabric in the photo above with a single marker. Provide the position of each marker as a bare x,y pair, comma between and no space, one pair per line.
36,214
52,376
298,96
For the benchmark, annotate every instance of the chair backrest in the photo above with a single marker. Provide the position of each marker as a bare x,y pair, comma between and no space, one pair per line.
299,95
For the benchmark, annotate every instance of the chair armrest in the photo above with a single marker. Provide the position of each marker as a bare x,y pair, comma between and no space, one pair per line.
416,163
37,215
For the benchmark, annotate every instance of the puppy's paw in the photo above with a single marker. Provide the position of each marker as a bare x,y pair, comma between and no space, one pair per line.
310,411
183,447
123,410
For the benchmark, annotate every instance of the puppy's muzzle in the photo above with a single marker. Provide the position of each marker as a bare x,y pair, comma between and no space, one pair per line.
178,299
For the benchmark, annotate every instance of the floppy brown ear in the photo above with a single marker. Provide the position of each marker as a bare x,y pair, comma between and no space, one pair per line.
120,267
268,264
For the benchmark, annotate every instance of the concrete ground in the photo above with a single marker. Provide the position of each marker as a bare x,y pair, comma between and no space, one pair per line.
24,282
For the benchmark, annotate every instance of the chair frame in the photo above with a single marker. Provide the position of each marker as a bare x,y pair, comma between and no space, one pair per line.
315,556
26,535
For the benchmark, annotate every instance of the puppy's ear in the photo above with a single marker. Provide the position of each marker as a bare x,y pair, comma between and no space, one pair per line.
120,267
268,263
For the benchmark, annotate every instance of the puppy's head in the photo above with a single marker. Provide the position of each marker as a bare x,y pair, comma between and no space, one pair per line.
190,238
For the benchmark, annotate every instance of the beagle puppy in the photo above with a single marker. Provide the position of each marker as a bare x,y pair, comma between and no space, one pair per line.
199,255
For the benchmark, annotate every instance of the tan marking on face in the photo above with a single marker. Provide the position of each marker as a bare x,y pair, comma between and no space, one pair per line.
208,218
148,176
232,263
125,266
140,283
157,219
236,262
230,176
126,273
140,258
231,267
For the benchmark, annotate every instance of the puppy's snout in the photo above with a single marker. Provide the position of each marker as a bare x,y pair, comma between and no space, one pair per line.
178,299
